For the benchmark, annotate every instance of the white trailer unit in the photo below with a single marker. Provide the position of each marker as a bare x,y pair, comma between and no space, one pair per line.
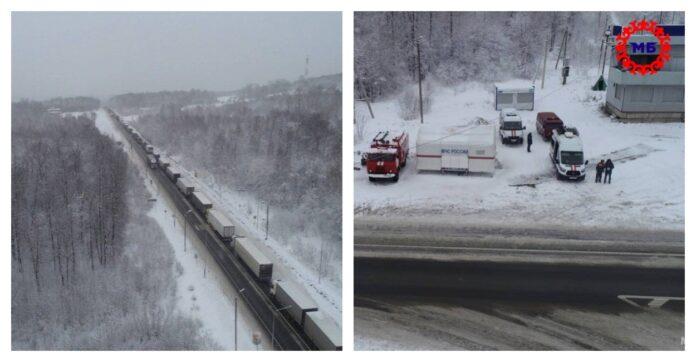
324,333
298,301
220,223
456,149
517,96
201,201
185,186
149,148
164,162
173,173
259,264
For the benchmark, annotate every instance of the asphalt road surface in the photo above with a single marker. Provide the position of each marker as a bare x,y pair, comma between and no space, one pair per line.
434,285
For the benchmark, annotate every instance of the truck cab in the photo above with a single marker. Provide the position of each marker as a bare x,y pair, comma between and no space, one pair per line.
387,155
511,129
567,154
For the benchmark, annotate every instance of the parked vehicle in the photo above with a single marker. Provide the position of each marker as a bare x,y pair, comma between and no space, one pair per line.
172,172
220,223
457,149
387,155
567,154
254,259
510,127
201,202
298,301
546,122
325,334
185,186
151,161
164,162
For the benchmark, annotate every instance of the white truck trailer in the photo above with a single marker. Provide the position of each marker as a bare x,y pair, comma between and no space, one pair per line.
185,186
255,260
201,201
456,149
220,223
323,332
173,172
299,302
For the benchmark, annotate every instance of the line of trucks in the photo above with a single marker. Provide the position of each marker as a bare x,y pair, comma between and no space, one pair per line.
293,301
472,148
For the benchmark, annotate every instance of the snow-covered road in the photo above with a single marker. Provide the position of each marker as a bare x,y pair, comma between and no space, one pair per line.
203,291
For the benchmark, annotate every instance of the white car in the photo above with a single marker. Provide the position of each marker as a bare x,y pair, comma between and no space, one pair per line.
510,127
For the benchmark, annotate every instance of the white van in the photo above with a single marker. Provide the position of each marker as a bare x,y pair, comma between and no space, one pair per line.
510,127
567,154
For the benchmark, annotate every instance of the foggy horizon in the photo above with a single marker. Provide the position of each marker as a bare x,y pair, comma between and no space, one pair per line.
65,54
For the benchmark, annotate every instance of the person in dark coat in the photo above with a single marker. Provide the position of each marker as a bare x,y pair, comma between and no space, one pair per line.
529,142
599,170
608,167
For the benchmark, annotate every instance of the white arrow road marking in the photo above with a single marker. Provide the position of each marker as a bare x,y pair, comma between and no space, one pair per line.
655,301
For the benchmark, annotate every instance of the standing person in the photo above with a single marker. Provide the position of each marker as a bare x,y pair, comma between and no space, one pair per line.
529,141
598,173
608,167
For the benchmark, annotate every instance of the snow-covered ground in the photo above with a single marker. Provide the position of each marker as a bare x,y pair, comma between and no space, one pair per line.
647,188
203,290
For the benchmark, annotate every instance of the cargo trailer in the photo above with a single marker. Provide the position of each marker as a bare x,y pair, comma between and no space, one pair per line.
456,149
298,301
323,332
254,259
164,162
149,148
220,223
201,201
185,186
173,173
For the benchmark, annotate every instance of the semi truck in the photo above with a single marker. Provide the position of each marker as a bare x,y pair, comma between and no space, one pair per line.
221,224
255,260
297,299
387,155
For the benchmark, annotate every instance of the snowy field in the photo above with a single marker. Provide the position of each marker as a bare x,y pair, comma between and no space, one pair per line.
647,189
203,291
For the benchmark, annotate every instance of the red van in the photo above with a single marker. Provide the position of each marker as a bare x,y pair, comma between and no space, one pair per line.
546,122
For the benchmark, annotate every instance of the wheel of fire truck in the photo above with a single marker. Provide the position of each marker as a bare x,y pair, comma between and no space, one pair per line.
396,177
582,178
372,179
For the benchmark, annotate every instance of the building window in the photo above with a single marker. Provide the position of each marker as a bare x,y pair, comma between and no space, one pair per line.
525,97
642,94
505,98
673,94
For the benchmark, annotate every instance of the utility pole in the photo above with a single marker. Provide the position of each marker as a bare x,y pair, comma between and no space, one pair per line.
267,206
560,49
235,323
543,68
420,79
321,259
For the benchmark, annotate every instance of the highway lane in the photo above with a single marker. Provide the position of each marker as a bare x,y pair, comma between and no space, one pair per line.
422,284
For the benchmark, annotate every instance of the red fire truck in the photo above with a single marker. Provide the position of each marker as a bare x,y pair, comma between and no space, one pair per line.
387,155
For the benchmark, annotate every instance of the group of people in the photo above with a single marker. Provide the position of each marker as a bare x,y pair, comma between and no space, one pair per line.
605,167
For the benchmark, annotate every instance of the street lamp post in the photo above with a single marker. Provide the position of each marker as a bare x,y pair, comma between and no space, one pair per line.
186,228
235,319
273,324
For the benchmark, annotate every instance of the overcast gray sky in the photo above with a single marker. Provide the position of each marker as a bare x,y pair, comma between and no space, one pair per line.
102,54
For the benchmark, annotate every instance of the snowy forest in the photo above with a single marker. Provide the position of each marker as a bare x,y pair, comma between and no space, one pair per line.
132,102
89,269
281,142
482,46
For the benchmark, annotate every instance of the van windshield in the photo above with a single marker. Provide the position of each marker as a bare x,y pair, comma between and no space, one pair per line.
571,158
512,125
389,157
